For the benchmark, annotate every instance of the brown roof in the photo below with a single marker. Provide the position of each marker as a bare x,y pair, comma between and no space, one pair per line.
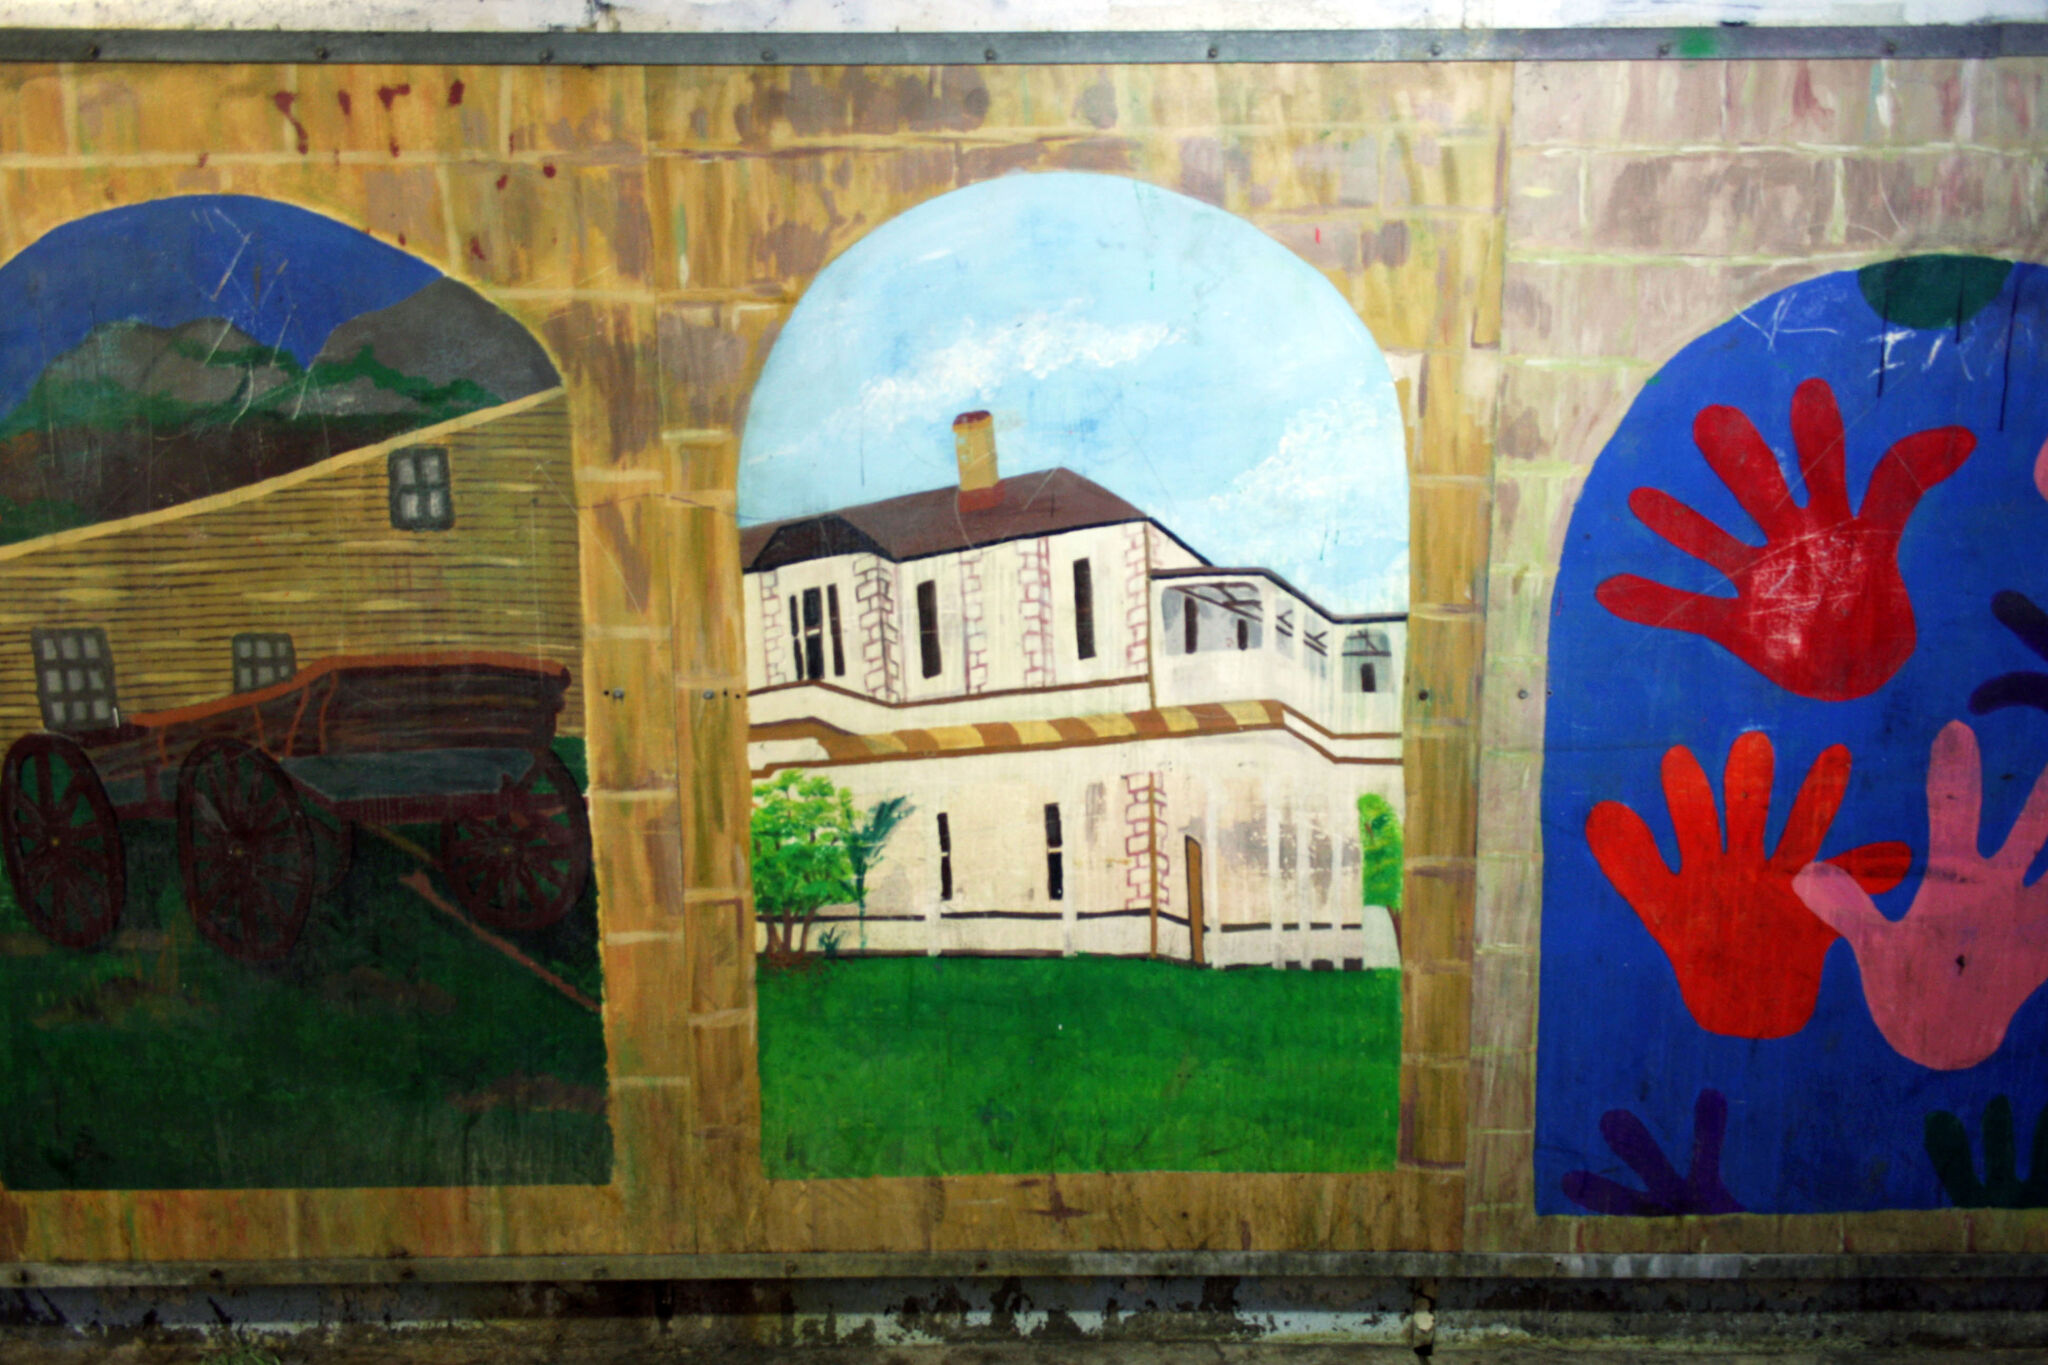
933,522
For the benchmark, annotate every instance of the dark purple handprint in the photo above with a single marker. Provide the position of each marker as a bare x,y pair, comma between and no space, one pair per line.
1664,1194
2018,614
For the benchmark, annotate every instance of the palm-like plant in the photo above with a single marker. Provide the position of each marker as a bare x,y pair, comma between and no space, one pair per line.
864,842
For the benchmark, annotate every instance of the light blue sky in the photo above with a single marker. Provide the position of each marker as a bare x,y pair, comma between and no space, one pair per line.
1168,350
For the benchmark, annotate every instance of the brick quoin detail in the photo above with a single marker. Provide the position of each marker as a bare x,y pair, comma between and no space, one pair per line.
974,631
774,639
1034,589
1146,863
874,596
1137,587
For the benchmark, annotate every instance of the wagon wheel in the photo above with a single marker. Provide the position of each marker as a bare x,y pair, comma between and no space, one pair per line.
522,865
63,844
245,849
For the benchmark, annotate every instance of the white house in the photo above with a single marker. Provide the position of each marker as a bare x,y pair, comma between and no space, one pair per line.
1111,745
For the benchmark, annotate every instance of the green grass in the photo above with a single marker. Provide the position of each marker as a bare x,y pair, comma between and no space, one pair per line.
956,1066
393,1048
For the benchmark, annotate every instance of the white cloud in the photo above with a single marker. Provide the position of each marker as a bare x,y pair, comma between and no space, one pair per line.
973,366
1327,509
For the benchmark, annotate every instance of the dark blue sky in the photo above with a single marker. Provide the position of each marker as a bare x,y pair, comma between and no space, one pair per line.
285,276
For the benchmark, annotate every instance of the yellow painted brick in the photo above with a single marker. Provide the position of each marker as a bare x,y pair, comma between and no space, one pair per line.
1436,914
1436,1012
636,843
1433,1107
1444,659
188,110
1441,809
553,225
645,1035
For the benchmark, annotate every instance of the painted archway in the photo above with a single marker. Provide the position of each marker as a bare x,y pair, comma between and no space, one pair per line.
1063,497
1794,656
274,487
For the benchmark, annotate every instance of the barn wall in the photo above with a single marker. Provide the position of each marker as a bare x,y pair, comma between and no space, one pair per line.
314,555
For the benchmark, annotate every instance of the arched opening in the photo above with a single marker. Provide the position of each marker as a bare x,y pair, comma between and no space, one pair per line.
1080,461
1734,701
290,696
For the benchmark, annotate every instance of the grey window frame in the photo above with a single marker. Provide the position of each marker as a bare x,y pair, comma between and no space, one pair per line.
413,471
248,668
80,663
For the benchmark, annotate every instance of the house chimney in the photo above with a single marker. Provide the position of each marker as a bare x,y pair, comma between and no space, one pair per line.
974,446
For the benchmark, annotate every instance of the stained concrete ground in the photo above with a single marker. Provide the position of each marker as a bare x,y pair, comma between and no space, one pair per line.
1138,1321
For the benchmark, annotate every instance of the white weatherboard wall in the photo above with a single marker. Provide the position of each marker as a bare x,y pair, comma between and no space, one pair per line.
980,16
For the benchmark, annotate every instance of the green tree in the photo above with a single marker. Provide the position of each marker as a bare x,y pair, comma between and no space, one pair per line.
799,837
1379,844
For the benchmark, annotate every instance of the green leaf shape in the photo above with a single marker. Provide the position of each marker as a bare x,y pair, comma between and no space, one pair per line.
1948,1147
1932,291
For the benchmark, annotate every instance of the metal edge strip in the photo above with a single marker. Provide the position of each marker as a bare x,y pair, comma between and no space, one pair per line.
569,48
1040,1265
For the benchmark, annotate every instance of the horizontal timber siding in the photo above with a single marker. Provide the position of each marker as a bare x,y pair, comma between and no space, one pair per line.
314,555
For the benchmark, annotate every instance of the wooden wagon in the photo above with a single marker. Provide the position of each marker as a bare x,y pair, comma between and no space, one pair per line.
266,786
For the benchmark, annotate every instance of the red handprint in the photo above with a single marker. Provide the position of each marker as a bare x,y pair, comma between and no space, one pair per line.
1819,608
1747,951
1944,982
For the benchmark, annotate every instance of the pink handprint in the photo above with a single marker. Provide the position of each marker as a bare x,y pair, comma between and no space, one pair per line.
1945,981
1820,608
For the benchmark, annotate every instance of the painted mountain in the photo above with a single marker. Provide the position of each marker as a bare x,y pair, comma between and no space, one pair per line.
165,352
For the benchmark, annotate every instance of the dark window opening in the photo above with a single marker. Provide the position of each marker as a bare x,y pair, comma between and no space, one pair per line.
421,499
1084,609
838,649
810,615
1363,649
814,635
75,678
1214,616
260,660
1055,868
945,858
928,627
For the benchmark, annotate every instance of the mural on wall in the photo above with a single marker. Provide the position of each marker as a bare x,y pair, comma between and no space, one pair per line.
1075,527
1794,804
297,856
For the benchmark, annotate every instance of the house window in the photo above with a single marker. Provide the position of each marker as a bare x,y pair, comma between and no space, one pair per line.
810,613
945,858
420,498
1084,609
261,660
832,612
1315,651
75,678
1366,652
928,627
1055,862
1214,616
